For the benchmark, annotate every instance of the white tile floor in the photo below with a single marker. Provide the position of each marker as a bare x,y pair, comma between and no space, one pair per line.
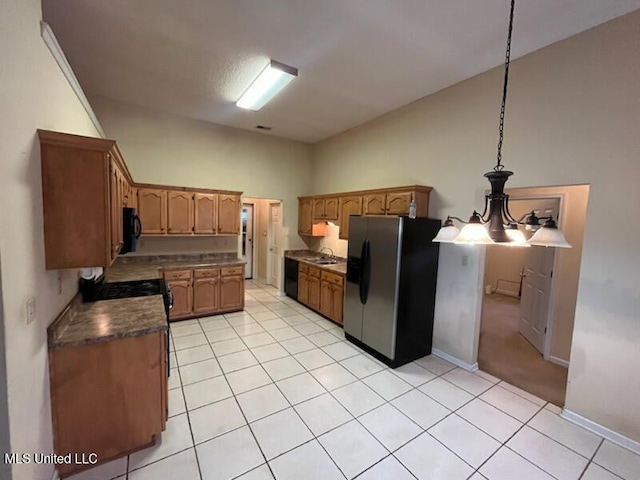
276,393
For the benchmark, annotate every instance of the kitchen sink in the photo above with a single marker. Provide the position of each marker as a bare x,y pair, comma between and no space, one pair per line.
323,261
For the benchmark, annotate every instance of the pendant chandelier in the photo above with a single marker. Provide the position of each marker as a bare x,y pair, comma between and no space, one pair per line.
496,225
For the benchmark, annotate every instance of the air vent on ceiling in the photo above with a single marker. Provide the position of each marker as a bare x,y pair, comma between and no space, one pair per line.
263,127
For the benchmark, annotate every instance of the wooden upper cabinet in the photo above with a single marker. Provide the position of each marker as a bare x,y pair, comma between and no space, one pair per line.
152,210
179,212
229,214
318,208
325,209
398,203
81,198
348,206
331,208
374,204
206,213
305,216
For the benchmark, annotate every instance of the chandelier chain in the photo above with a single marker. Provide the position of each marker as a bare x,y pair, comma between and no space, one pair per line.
499,165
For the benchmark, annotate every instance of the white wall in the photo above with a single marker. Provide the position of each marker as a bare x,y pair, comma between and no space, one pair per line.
572,117
34,95
169,150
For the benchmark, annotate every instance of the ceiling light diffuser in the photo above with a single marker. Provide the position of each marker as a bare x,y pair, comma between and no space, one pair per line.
271,80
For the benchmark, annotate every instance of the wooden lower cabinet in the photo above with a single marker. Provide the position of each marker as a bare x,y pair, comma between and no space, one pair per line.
231,292
322,291
108,398
205,291
206,294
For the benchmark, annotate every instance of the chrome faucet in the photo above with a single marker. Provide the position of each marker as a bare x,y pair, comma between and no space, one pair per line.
327,248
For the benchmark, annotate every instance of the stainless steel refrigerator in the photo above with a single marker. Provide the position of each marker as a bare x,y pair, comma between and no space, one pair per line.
392,267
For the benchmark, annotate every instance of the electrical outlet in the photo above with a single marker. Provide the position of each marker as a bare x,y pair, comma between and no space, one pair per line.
31,310
465,260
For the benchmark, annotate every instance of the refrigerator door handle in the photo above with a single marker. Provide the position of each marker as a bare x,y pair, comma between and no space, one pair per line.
366,271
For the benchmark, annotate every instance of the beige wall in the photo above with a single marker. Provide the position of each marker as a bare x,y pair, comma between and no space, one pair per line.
169,150
34,95
150,245
572,117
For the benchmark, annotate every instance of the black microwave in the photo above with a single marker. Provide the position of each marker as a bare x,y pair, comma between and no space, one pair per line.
131,229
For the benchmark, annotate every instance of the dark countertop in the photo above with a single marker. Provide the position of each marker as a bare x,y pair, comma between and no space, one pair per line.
142,268
306,255
106,320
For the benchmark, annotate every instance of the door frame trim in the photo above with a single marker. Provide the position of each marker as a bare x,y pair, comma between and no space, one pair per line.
254,263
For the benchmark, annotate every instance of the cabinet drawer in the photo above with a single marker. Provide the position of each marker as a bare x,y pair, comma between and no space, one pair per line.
206,272
304,268
224,271
177,275
333,278
314,272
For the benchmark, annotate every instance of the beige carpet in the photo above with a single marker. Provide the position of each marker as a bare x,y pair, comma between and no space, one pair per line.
506,354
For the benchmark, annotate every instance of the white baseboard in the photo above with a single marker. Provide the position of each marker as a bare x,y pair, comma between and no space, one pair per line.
508,293
559,361
605,432
471,367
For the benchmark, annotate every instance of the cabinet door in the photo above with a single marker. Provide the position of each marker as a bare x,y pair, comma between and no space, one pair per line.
305,216
206,293
398,203
206,213
182,297
229,214
152,209
303,288
331,208
348,206
180,212
232,292
318,208
115,208
374,204
326,298
337,303
314,292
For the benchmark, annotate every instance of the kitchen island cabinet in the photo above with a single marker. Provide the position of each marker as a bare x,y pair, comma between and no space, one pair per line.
108,377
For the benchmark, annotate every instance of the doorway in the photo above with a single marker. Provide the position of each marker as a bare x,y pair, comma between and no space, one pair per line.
516,314
274,267
267,260
247,239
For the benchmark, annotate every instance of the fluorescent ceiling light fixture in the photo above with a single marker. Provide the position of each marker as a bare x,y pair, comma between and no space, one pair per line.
271,80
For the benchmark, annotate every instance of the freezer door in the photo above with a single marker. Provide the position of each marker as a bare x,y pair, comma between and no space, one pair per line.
380,312
353,308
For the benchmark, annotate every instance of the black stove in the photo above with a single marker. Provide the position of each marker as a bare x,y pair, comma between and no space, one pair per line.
135,288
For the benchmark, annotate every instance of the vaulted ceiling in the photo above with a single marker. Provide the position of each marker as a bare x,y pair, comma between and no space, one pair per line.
357,59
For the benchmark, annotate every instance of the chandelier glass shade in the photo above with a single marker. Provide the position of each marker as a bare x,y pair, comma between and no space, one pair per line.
496,225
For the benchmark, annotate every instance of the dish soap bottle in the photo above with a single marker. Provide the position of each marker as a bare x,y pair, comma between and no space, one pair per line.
412,209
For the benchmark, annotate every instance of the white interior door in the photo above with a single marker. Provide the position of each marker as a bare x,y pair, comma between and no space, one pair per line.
247,239
273,263
536,292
